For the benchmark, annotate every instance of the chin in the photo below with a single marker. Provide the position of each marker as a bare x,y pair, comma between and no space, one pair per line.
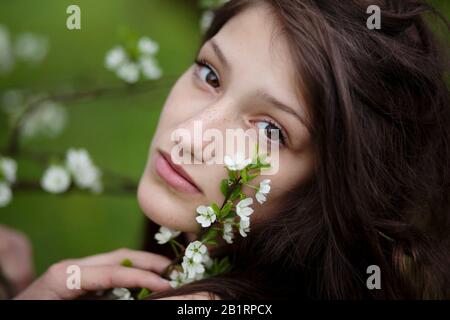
163,207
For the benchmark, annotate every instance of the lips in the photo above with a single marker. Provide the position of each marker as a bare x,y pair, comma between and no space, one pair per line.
174,174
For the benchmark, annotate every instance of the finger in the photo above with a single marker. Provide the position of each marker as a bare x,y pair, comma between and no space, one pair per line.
94,278
54,284
17,264
140,259
18,268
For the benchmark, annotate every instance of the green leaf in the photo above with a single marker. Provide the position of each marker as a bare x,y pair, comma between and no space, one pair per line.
127,263
232,175
244,175
226,208
210,235
235,194
230,215
216,208
224,187
144,293
224,265
220,266
212,242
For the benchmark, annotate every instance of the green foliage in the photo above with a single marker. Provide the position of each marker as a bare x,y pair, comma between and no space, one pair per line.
126,263
211,4
224,187
143,293
219,266
115,129
210,237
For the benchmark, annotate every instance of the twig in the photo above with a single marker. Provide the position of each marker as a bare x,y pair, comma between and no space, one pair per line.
13,146
32,185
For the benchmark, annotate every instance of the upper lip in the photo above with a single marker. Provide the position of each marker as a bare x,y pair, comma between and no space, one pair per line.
179,169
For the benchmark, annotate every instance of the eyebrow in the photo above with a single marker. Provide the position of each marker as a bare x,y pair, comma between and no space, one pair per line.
272,100
261,93
219,54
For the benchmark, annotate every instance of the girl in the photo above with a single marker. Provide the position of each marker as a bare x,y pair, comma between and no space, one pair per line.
363,117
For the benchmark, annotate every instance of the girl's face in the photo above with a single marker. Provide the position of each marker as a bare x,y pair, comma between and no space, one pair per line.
244,79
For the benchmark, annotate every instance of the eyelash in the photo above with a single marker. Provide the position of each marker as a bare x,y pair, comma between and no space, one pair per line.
204,63
282,135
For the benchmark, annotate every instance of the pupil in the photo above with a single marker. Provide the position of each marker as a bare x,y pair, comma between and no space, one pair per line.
269,129
212,79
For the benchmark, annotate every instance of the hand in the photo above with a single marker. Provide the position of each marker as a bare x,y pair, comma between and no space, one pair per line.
101,272
16,261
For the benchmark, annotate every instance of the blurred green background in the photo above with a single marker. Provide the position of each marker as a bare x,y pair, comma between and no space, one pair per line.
116,130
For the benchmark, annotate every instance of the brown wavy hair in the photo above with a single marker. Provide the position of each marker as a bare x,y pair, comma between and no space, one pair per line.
380,123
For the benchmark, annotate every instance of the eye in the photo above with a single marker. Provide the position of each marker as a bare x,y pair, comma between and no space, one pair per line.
269,125
207,74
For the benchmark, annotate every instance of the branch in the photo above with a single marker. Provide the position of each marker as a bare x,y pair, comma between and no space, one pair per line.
31,185
126,184
13,146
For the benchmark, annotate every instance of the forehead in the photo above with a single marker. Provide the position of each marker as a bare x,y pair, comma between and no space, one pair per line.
258,52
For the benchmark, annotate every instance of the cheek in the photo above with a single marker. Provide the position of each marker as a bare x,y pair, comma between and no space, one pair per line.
294,170
181,101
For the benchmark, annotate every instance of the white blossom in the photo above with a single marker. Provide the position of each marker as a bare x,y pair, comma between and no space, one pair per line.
236,163
193,269
166,234
150,68
228,234
129,72
244,226
97,185
13,104
48,119
122,294
77,160
31,47
115,58
6,52
89,178
196,250
208,14
5,194
206,20
11,100
206,216
263,191
177,279
243,210
147,46
9,169
56,179
129,68
207,261
86,175
264,159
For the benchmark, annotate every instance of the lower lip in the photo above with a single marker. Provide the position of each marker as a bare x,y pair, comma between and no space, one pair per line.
169,175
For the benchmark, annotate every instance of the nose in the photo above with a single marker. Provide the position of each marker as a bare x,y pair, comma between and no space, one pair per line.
196,137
